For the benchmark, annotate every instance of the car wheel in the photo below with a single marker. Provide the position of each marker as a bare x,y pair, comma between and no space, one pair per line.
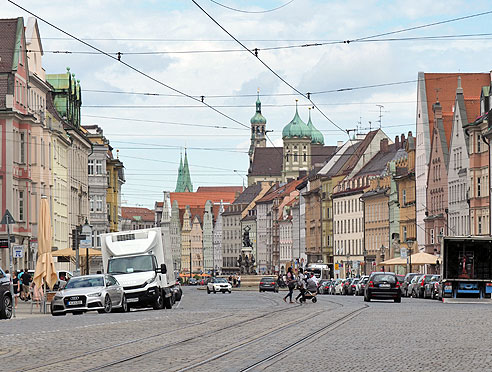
229,291
159,302
179,295
260,290
108,306
124,305
398,299
57,314
168,302
6,309
366,299
215,291
208,291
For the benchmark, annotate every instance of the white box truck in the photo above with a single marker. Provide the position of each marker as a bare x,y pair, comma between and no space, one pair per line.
142,264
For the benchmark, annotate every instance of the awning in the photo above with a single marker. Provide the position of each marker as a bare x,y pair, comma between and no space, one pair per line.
395,261
420,258
69,252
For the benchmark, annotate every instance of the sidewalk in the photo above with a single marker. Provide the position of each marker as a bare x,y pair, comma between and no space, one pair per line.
23,310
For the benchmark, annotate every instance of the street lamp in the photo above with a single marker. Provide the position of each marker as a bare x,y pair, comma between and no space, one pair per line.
383,248
87,243
347,263
364,252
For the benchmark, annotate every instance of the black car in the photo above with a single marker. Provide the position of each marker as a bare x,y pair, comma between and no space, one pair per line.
382,285
324,287
5,297
268,284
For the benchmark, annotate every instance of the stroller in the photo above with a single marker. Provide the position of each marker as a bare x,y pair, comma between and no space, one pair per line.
310,293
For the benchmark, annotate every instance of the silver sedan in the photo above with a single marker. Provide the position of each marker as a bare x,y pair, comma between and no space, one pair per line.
89,292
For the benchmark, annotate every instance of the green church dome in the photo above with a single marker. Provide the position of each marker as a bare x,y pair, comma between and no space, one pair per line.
258,118
296,128
316,136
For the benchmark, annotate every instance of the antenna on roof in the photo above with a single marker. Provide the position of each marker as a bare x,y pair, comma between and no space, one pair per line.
381,107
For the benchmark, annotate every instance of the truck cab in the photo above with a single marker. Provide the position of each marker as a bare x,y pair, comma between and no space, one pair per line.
138,260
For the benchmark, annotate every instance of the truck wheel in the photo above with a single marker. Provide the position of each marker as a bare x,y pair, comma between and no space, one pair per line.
168,302
6,308
159,302
124,305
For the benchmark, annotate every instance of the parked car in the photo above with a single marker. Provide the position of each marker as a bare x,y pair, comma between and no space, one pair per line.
5,296
432,287
346,285
382,285
359,287
412,284
324,287
89,292
219,285
418,288
192,281
268,284
406,282
339,286
352,286
333,285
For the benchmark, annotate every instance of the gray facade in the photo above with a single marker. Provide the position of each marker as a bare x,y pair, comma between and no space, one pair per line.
175,233
217,240
264,237
231,239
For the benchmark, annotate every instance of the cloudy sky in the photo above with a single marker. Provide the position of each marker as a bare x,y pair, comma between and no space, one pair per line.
175,43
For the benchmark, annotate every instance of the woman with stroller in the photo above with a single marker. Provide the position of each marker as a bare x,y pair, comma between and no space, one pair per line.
301,284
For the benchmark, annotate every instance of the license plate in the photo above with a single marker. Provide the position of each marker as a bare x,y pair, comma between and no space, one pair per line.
72,303
384,285
448,288
132,299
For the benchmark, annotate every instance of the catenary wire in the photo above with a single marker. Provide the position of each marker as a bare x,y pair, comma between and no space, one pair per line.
252,12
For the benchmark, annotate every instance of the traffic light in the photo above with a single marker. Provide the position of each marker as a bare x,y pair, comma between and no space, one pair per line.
4,243
77,237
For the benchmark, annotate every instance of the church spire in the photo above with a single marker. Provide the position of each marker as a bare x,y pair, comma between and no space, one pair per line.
187,185
179,182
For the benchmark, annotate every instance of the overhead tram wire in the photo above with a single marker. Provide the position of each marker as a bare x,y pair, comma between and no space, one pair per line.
255,54
252,12
130,66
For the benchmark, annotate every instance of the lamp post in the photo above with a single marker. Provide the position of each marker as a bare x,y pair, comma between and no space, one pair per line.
191,267
86,243
364,252
347,263
383,248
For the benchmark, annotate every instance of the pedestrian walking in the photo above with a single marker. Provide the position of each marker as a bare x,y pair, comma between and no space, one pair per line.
234,281
15,281
301,284
239,281
291,284
26,281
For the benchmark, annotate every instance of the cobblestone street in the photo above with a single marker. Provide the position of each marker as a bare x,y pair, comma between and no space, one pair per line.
248,330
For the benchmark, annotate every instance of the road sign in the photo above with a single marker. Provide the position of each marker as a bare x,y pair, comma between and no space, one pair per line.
336,267
18,251
403,253
86,243
7,218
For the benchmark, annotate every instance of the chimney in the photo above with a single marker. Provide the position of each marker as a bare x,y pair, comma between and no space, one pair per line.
403,140
437,108
397,142
383,145
339,144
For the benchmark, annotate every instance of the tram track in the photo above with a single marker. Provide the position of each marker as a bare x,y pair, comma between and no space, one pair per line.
156,335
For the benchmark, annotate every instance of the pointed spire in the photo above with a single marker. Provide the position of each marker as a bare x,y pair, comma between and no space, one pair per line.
187,185
459,90
179,182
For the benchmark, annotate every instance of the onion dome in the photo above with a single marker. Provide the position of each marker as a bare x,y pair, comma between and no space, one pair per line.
316,136
296,128
258,118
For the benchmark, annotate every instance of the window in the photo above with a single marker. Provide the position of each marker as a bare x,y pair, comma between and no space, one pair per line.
305,157
21,205
42,152
98,167
99,203
91,167
432,236
404,197
478,187
295,156
91,203
479,224
404,233
22,144
479,146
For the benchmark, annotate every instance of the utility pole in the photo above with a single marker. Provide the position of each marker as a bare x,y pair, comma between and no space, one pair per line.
191,267
7,219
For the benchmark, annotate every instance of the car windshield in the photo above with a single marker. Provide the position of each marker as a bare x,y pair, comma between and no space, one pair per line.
85,282
220,280
355,281
125,265
384,278
365,280
267,279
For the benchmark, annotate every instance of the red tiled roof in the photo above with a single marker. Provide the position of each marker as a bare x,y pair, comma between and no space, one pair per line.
472,108
443,85
198,199
447,120
281,191
220,189
145,214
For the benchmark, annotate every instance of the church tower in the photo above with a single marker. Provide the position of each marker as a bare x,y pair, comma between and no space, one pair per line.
183,184
258,127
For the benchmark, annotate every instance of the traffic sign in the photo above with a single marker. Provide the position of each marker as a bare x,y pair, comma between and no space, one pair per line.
86,243
18,251
403,253
7,218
